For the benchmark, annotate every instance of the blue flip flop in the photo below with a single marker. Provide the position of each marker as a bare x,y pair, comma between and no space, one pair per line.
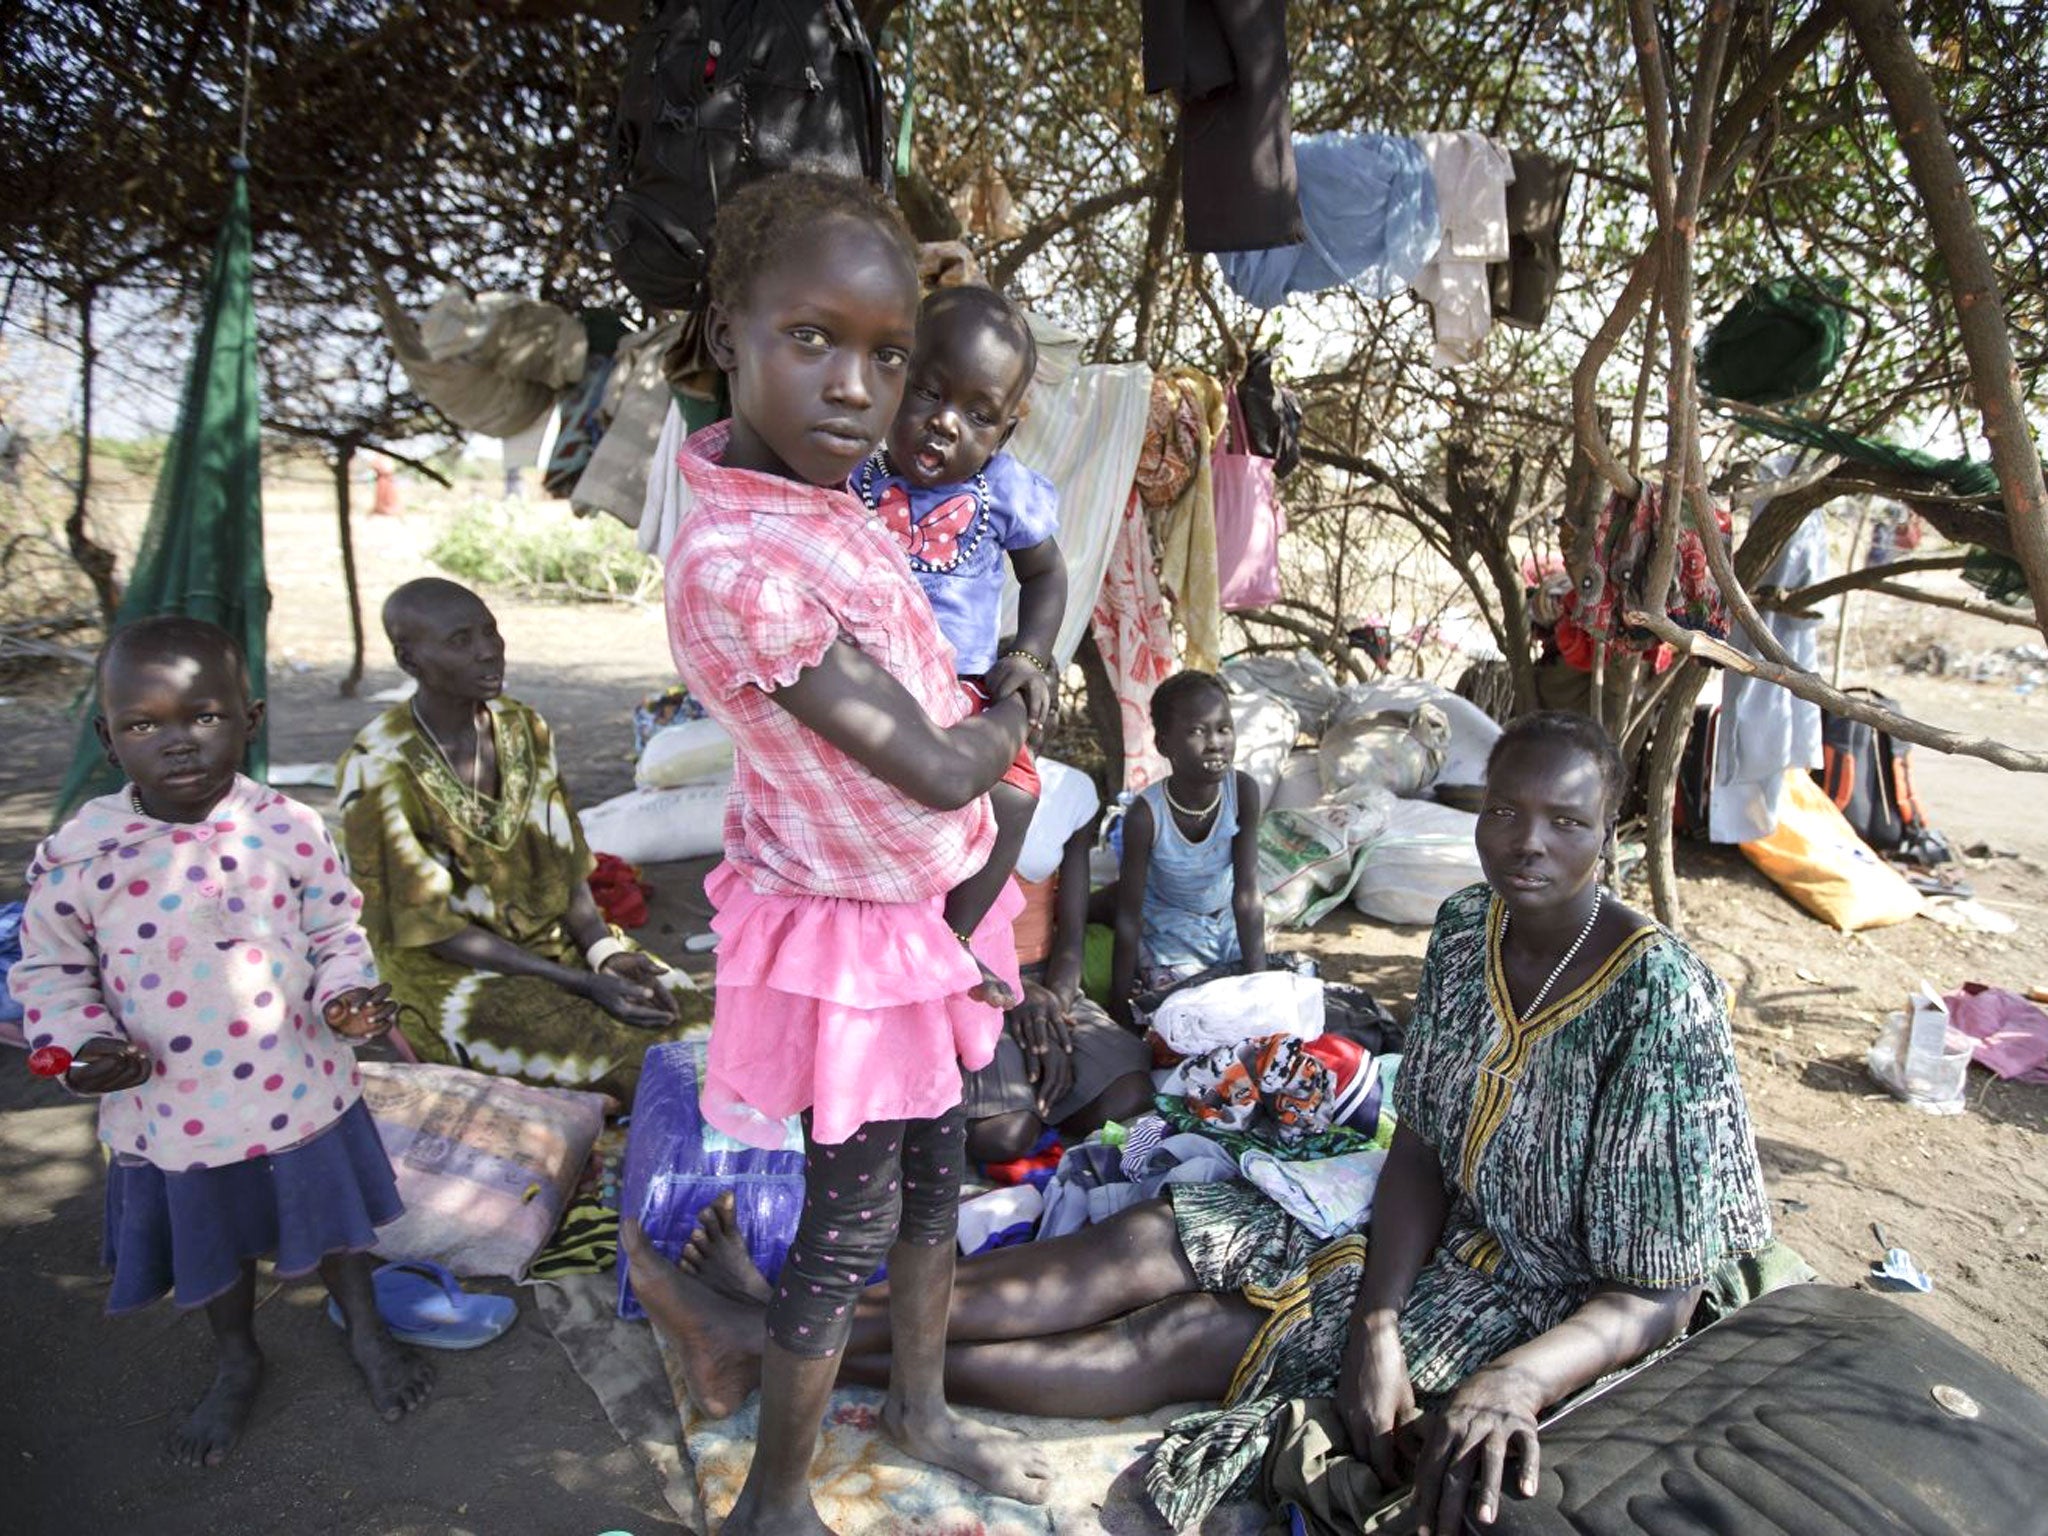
422,1303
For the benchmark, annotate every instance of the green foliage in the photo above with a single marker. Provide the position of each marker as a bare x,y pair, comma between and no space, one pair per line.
546,554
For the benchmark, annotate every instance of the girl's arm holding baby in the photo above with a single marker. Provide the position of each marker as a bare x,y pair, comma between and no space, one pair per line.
858,707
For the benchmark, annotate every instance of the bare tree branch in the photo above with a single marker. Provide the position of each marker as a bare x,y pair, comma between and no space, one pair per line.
1973,280
1809,686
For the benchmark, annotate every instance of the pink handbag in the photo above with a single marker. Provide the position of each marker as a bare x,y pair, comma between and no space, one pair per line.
1249,520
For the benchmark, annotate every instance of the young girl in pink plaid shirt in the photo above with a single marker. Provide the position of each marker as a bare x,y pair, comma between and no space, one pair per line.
860,797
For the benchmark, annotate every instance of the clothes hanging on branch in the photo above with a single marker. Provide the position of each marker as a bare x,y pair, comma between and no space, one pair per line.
1472,174
1781,339
1765,729
202,549
1624,537
1272,413
1369,214
1227,62
634,405
491,364
582,428
1187,404
1083,432
1524,284
1136,641
1249,519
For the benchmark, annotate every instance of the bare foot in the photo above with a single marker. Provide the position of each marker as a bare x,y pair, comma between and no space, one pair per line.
717,1255
206,1437
718,1337
788,1517
399,1378
1004,1463
992,989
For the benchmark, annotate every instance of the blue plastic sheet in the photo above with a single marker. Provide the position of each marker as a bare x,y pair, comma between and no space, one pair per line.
676,1165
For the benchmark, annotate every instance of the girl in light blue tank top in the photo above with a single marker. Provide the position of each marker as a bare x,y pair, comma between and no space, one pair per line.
1189,895
1188,921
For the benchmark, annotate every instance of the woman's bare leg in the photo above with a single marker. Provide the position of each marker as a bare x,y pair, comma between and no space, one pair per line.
1026,1291
1181,1350
1034,1291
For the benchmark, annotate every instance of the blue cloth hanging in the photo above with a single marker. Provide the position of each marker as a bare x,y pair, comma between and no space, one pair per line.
1368,203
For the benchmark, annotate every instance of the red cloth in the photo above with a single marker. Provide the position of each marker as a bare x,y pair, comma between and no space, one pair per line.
1035,1168
620,893
1023,769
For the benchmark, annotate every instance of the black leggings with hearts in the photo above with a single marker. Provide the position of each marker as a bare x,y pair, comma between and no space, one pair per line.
892,1180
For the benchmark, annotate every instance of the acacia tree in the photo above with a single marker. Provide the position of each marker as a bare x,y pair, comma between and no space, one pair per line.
466,142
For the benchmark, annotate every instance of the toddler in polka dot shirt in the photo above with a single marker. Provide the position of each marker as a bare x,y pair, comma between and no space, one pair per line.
192,940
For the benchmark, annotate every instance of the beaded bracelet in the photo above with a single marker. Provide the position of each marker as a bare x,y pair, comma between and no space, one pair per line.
1034,658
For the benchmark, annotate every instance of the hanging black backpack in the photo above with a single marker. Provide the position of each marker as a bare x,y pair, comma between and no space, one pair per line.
1693,799
719,93
1868,773
1272,413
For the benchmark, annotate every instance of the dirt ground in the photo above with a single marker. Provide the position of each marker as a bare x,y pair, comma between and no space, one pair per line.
514,1442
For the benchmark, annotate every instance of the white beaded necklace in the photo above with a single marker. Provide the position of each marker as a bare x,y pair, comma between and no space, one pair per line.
1570,955
1198,812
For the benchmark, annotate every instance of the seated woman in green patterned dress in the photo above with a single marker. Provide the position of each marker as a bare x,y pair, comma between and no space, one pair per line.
1573,1167
475,875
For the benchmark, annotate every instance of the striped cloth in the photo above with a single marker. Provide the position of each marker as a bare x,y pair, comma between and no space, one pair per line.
1083,433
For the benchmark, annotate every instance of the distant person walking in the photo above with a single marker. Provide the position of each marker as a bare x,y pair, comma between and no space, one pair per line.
388,500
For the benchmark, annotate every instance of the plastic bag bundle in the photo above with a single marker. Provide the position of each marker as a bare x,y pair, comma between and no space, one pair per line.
1301,782
1266,730
1425,854
1473,730
1400,751
1301,679
1815,857
687,752
1308,857
676,1165
659,826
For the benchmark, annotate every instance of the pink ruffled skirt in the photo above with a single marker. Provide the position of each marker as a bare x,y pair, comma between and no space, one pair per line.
855,1010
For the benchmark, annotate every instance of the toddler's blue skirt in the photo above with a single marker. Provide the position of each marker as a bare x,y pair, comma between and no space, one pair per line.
191,1233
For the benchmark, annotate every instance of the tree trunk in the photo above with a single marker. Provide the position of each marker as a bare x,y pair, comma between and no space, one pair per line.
1973,280
344,461
1105,714
1485,514
96,560
1660,785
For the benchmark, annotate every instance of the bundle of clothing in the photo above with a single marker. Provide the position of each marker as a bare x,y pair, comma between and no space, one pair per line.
1295,1088
1471,225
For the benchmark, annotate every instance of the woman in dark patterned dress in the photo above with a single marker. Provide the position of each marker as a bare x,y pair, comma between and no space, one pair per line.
1574,1164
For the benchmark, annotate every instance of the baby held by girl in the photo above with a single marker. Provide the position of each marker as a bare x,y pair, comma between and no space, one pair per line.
959,504
192,943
